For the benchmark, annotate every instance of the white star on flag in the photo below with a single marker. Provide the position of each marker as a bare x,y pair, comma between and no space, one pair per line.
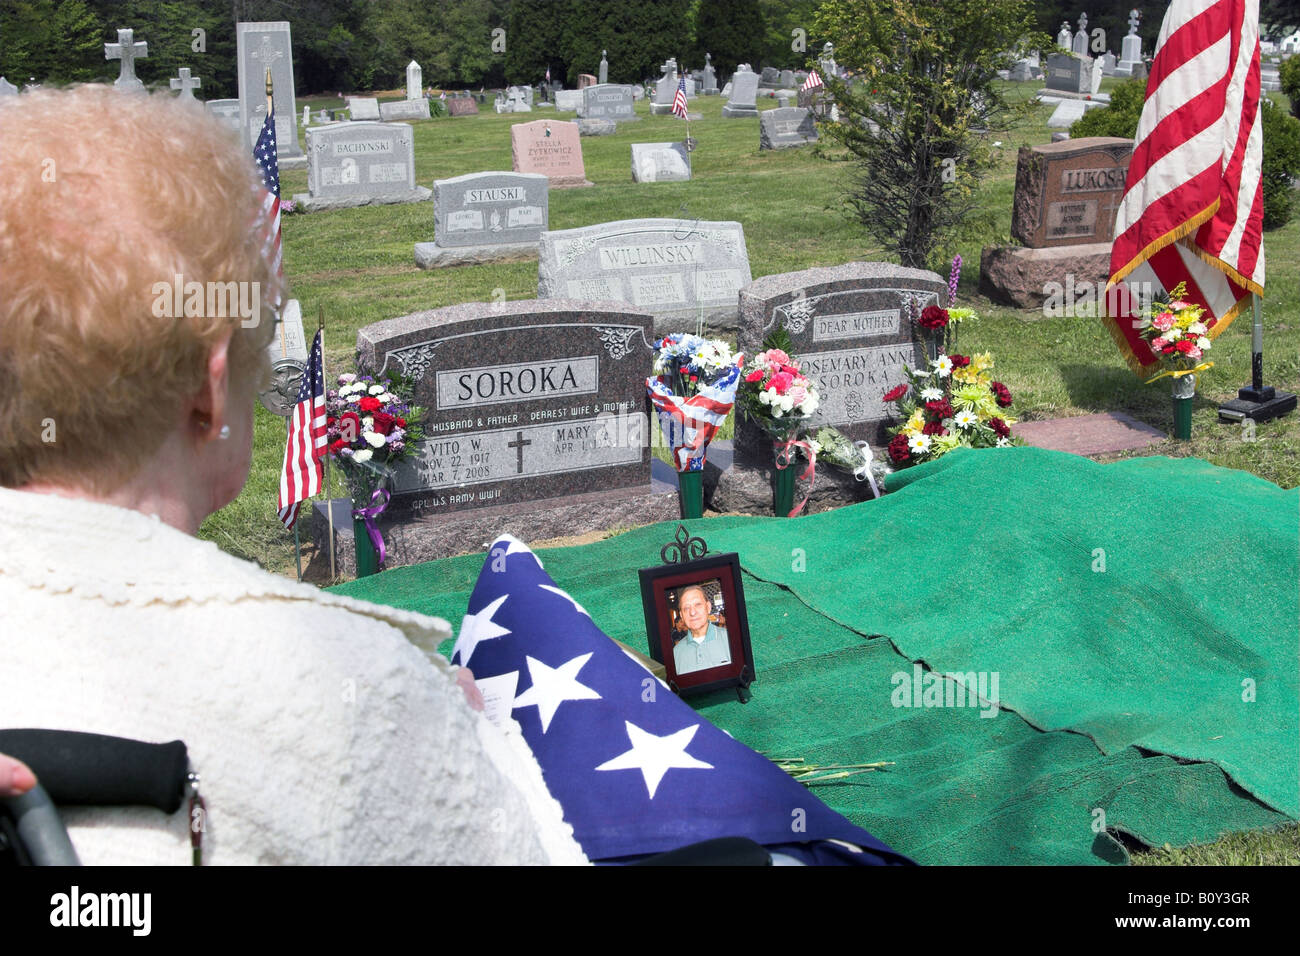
654,756
476,628
566,595
515,546
552,686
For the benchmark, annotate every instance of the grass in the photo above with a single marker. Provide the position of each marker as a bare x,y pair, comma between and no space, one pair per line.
357,265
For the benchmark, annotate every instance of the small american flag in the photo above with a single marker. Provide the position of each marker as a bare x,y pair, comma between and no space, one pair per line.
268,164
814,80
301,476
689,424
679,101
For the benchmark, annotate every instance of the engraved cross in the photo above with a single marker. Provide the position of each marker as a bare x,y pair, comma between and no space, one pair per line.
518,444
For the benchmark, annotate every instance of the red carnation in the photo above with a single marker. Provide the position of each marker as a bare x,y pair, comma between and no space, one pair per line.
959,361
895,393
384,423
933,317
940,409
999,426
1184,345
399,421
371,404
355,425
933,428
755,376
898,448
338,445
1001,393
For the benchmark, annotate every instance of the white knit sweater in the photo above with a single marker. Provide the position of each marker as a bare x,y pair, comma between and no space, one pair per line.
325,730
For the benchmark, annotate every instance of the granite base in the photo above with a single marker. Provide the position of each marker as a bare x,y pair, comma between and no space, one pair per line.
747,487
739,112
430,255
308,203
291,162
412,540
1018,275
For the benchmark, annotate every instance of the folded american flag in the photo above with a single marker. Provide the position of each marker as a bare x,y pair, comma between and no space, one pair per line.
636,770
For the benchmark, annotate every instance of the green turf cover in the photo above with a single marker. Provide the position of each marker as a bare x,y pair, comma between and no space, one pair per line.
1138,616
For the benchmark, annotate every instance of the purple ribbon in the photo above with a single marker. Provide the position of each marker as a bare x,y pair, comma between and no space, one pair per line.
369,515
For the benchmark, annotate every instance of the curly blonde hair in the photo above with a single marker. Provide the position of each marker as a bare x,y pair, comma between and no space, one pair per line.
105,197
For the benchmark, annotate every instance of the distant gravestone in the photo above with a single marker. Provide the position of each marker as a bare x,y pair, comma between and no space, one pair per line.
852,330
1066,114
360,164
1130,48
7,88
726,90
462,106
710,87
306,115
1064,38
414,81
1022,72
603,71
786,98
535,424
225,110
785,127
680,270
551,148
787,79
128,50
1068,73
1080,45
660,162
585,80
744,88
665,90
404,110
486,217
1108,62
288,355
262,46
596,127
186,84
771,77
1068,193
364,108
610,102
569,100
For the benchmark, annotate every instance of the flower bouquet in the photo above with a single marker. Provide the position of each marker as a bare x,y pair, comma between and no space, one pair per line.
953,403
835,448
780,398
1179,338
692,390
370,427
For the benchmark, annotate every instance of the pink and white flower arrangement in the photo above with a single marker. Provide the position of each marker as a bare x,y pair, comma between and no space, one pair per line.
1176,330
776,394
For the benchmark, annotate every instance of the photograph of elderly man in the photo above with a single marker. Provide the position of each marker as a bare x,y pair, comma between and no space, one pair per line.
706,644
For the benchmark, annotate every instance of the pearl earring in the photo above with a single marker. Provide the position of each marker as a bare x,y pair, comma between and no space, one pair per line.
224,433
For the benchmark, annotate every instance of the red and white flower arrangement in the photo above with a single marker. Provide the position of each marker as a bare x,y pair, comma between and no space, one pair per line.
1177,331
371,426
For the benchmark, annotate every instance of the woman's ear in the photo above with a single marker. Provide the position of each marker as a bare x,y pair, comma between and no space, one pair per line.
209,411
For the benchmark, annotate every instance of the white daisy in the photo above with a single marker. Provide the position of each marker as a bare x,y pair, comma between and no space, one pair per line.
931,394
942,366
919,443
965,418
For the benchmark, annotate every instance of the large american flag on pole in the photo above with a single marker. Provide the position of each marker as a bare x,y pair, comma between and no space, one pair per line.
679,99
1193,204
300,478
635,769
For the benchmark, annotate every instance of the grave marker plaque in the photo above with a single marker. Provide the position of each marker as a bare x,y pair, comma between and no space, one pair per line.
660,162
851,331
1067,193
530,401
551,148
679,270
260,46
784,127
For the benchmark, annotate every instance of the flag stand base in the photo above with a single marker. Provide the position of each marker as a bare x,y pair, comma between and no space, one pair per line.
1258,404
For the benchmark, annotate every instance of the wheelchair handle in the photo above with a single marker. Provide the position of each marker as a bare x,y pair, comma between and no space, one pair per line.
80,769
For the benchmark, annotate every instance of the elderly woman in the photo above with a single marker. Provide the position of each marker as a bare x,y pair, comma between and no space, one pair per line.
325,730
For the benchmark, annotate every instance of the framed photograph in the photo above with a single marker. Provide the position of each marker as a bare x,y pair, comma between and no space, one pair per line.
696,622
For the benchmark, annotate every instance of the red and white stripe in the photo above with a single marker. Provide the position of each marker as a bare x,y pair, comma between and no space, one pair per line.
814,80
271,248
1193,204
301,477
679,100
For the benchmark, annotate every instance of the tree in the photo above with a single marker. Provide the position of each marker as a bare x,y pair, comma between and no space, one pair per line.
56,42
732,31
916,116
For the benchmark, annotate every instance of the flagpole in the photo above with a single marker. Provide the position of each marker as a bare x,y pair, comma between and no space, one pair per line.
329,500
1257,401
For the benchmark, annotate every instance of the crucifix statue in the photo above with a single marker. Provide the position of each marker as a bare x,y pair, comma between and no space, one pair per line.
126,50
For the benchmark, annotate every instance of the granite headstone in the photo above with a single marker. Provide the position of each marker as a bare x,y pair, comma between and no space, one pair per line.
660,162
536,423
364,108
610,102
7,88
1068,73
127,49
552,148
680,270
486,217
786,126
462,106
186,84
404,110
744,88
360,164
1068,193
414,81
259,47
225,110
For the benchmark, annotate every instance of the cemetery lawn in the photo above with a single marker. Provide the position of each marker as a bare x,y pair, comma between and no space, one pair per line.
357,265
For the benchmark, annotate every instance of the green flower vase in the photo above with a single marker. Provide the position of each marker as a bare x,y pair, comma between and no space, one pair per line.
1184,393
690,493
367,556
